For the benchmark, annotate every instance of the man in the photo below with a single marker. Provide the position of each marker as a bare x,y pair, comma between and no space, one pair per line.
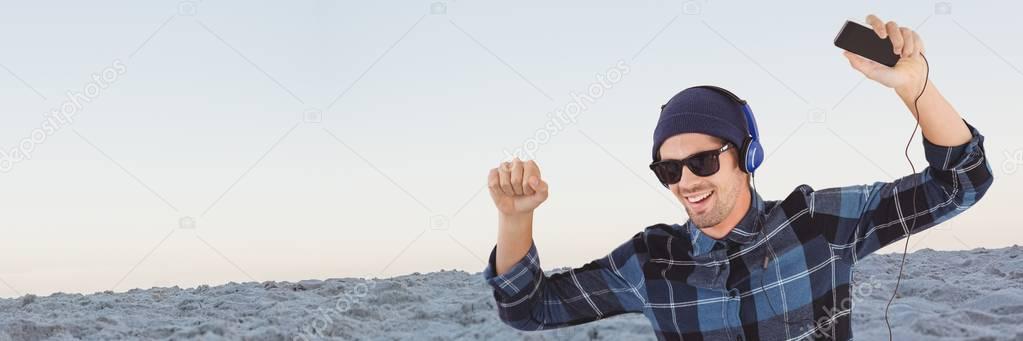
740,268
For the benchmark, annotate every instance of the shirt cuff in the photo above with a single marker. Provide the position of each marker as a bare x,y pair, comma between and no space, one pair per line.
520,277
955,157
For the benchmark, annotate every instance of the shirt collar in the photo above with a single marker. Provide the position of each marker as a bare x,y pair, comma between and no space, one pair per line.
743,233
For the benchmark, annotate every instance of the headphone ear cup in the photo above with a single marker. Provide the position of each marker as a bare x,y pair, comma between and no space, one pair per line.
744,156
754,156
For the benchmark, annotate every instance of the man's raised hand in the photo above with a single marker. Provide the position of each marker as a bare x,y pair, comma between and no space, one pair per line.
516,187
909,72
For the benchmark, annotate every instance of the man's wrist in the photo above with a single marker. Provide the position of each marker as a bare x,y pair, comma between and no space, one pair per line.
516,219
911,89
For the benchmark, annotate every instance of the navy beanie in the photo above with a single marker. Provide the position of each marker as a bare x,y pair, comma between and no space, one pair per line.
700,110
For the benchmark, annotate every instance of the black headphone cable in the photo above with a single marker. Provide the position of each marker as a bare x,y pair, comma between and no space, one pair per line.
905,248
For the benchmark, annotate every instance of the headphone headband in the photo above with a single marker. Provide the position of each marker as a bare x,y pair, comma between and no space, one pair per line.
751,153
724,92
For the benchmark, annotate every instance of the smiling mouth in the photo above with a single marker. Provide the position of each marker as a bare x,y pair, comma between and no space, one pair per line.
699,198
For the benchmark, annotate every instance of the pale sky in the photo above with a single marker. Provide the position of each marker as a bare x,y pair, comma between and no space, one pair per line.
203,122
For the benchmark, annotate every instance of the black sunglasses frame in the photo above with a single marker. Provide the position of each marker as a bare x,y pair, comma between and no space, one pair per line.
710,155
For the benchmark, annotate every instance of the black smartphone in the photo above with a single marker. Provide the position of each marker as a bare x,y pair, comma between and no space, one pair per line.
864,41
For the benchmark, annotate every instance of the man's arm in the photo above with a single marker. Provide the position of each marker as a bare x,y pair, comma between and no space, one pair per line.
869,217
517,190
941,124
514,238
526,298
864,218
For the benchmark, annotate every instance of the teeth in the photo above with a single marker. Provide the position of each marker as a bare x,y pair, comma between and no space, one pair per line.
698,198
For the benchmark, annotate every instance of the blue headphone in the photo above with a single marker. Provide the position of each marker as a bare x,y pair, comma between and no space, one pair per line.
751,152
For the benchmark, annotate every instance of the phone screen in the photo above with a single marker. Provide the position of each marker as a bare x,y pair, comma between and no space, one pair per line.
863,41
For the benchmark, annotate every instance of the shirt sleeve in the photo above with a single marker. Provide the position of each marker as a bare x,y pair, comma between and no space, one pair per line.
528,299
865,218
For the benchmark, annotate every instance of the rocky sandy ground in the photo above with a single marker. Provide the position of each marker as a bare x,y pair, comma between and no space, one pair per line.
945,295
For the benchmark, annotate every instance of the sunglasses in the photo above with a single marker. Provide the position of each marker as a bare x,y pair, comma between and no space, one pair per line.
702,164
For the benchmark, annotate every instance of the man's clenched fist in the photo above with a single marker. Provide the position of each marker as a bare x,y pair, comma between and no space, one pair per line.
516,187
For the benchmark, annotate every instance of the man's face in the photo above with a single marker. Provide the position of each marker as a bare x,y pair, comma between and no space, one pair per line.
723,187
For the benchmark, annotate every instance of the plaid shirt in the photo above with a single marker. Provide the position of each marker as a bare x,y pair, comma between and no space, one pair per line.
783,272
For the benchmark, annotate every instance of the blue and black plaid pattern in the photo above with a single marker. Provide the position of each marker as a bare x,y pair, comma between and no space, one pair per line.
783,273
